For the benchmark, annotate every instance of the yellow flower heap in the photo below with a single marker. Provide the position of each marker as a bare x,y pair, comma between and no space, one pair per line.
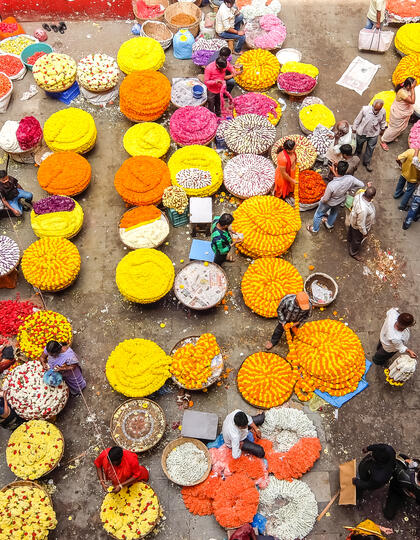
51,264
260,70
197,157
407,38
409,66
145,275
131,513
315,114
34,448
26,512
71,130
265,283
140,54
137,367
191,364
54,72
299,67
388,97
64,224
147,139
329,356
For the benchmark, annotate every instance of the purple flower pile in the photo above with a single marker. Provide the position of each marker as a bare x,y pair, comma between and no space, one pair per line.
54,203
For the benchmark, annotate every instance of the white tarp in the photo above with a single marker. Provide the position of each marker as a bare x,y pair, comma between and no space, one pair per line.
358,75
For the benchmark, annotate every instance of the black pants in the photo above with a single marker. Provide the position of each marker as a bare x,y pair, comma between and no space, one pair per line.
381,355
219,258
251,447
370,147
394,500
213,102
278,332
354,240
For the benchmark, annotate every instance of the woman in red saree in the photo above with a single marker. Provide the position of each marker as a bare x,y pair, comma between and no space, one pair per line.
285,172
120,467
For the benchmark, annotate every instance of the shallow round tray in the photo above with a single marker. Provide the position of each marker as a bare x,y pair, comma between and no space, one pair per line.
216,364
182,299
153,247
29,483
123,440
98,91
178,442
298,54
324,279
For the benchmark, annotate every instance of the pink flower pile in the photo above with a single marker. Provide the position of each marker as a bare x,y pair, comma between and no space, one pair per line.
274,32
193,125
254,103
296,82
414,137
29,132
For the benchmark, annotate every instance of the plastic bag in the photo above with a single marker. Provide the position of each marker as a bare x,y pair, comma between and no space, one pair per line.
375,40
148,12
52,378
183,42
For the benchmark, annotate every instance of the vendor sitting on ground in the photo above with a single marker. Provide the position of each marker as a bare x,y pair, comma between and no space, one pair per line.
293,308
120,467
221,240
239,431
62,358
9,418
228,22
347,156
14,198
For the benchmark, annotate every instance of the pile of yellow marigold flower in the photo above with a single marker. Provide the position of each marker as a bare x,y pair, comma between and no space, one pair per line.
64,224
388,97
409,66
71,130
147,139
140,54
260,70
407,38
312,115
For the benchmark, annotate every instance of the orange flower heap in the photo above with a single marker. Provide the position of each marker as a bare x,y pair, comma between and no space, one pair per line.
265,283
199,499
141,215
409,66
144,95
311,187
141,180
191,364
266,380
64,173
329,356
236,502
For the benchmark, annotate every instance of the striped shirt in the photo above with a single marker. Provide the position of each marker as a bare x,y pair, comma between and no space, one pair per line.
220,240
289,310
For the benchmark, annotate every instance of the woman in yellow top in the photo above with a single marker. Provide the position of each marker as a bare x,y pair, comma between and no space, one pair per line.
401,110
368,530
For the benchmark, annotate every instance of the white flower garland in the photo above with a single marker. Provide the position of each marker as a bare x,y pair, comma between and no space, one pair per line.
285,426
258,8
294,520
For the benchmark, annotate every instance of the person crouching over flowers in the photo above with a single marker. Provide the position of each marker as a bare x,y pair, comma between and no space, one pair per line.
120,467
239,431
61,357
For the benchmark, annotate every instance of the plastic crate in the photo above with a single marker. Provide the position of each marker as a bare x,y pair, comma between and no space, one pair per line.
68,95
178,220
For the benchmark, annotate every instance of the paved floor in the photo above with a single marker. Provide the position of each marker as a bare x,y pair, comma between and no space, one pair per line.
326,33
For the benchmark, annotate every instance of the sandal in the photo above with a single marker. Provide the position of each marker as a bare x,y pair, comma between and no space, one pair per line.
311,229
329,229
46,27
62,27
384,146
54,27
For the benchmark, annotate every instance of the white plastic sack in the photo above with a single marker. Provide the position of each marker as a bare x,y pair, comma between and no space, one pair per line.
375,40
21,73
206,32
4,101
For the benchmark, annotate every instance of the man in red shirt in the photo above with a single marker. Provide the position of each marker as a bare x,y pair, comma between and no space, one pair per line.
214,77
121,467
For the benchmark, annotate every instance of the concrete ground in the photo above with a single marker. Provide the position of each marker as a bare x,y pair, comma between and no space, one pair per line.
326,33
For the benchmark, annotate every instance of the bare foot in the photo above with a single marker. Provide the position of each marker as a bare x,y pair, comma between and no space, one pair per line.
269,345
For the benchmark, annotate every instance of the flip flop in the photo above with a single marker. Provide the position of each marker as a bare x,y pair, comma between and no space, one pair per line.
384,146
310,229
62,27
46,27
54,27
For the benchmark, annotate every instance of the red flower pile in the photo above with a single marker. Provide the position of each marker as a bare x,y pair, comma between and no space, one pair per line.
10,65
29,132
311,187
12,315
296,82
32,59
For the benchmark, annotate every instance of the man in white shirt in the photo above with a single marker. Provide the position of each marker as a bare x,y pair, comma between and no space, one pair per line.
394,336
362,217
239,430
228,22
376,14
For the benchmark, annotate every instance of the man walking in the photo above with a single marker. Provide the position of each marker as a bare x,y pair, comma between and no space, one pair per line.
362,217
376,14
410,177
334,195
368,125
293,308
394,336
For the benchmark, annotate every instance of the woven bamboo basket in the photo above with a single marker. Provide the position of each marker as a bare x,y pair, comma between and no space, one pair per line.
183,8
28,483
164,3
178,442
158,31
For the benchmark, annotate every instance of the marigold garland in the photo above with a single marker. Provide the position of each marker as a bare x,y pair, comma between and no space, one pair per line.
260,70
64,173
54,72
312,115
199,499
300,67
51,264
140,54
407,38
145,275
257,103
144,95
193,125
266,380
137,367
311,187
40,328
266,281
34,448
388,97
305,151
403,10
58,224
409,66
147,139
236,501
197,157
71,130
139,216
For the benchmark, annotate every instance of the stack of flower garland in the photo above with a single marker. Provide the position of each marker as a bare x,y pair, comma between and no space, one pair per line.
266,281
414,137
140,54
192,125
141,180
313,115
20,136
16,44
311,187
5,85
144,95
54,72
137,367
131,513
64,173
260,70
13,314
296,83
145,276
196,458
203,170
191,364
256,103
273,32
174,197
29,396
9,255
32,512
403,10
147,139
51,264
409,66
143,227
250,134
407,39
97,72
388,97
34,448
203,49
70,130
328,356
305,151
247,175
11,66
56,216
300,67
40,328
322,138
